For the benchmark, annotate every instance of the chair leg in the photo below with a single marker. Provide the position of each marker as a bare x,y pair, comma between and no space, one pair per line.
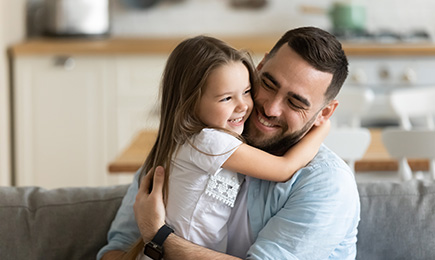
432,168
405,123
405,172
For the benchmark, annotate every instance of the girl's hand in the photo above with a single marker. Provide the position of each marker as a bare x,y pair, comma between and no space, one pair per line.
149,209
323,129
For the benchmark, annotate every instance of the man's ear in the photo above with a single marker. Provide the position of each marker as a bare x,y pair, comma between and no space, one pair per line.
261,64
326,112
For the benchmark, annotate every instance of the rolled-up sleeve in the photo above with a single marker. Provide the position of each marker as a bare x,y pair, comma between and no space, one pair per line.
124,231
312,216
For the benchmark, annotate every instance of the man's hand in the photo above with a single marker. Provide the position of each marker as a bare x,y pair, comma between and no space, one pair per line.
149,209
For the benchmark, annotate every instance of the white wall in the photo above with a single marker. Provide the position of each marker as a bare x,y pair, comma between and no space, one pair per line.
11,31
215,17
187,17
170,18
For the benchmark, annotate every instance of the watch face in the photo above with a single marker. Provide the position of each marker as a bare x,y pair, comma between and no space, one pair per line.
153,251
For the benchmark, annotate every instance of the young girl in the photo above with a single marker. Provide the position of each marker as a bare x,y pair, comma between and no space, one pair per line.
205,101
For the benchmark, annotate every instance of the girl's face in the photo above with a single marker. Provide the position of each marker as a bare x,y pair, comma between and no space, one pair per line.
226,101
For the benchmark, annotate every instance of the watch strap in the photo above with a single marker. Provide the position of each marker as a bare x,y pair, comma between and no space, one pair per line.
162,234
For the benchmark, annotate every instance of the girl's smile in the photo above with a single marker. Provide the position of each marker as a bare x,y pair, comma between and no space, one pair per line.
226,101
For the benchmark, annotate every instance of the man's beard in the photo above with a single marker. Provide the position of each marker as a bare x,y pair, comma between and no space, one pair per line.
279,144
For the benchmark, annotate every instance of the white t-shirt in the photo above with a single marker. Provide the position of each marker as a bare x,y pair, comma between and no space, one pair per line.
239,230
201,193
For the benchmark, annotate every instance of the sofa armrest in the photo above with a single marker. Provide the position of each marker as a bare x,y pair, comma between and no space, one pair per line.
65,223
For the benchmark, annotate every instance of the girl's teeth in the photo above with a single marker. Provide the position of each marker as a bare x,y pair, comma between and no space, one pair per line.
236,120
264,122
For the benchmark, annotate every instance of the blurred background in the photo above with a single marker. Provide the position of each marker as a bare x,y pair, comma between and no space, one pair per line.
79,78
245,17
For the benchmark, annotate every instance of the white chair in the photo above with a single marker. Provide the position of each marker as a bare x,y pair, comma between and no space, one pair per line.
414,103
353,103
349,143
415,137
403,144
347,138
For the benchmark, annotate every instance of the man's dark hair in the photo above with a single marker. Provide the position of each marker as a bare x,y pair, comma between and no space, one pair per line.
321,50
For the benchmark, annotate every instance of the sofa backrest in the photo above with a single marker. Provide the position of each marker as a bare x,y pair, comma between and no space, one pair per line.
67,223
397,220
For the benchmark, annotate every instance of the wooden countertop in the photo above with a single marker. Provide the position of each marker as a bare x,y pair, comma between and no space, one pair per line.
258,45
375,159
110,46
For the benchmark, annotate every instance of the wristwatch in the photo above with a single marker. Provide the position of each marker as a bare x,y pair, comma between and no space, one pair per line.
154,248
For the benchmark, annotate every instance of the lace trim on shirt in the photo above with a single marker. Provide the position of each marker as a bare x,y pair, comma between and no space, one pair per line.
223,188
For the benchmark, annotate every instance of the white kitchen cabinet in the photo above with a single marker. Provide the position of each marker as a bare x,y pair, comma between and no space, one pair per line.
73,115
63,121
138,81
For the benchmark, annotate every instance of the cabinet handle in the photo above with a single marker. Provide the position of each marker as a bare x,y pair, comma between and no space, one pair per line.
384,73
66,62
359,76
409,75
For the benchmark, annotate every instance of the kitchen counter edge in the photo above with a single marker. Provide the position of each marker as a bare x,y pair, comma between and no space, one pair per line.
134,46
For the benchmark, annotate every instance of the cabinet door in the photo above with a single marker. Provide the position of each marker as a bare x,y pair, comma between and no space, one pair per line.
62,121
138,81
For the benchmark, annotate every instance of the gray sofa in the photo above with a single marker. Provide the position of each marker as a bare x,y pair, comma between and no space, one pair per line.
397,221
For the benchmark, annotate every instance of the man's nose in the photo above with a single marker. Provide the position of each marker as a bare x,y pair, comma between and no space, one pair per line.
273,107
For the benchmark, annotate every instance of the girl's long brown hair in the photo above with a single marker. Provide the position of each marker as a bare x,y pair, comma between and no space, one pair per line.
183,83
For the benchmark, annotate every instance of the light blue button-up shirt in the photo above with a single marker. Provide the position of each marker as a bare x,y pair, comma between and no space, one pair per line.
314,215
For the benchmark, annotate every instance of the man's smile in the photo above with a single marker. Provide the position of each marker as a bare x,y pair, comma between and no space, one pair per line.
263,121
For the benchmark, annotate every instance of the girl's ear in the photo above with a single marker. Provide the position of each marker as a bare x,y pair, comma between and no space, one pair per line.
326,112
261,64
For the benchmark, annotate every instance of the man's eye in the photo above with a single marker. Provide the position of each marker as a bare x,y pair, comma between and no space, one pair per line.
266,85
294,105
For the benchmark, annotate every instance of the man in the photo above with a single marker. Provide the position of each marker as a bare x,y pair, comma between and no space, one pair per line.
315,214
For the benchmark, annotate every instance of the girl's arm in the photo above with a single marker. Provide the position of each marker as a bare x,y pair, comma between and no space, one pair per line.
254,162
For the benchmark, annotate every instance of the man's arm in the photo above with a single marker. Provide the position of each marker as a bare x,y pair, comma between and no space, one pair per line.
153,218
179,248
113,255
123,231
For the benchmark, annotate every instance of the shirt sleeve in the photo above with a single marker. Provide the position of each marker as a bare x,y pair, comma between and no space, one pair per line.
213,148
124,231
317,219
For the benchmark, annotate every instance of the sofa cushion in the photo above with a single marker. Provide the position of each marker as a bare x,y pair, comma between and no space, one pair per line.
397,220
65,223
